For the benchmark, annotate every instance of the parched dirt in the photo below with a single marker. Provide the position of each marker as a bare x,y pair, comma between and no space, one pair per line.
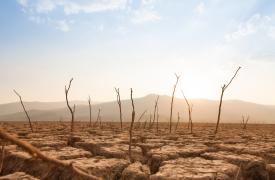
232,154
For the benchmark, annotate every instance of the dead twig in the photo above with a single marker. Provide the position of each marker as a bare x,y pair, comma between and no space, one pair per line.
119,105
224,87
172,102
245,121
131,127
2,158
21,101
155,110
90,111
190,109
72,110
33,151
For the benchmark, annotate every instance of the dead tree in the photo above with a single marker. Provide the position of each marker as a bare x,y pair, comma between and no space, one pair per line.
140,117
190,109
131,127
36,153
177,122
98,117
155,110
145,123
72,110
157,119
2,157
119,105
245,121
172,102
27,115
90,111
150,120
224,87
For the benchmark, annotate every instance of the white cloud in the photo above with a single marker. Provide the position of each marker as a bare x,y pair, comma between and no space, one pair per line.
45,6
36,19
144,15
100,28
62,25
72,7
200,8
23,3
147,2
253,25
97,6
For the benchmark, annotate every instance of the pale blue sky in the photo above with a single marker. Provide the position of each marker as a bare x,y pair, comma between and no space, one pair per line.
136,43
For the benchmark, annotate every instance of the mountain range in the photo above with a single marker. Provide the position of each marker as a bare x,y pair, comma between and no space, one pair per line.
203,110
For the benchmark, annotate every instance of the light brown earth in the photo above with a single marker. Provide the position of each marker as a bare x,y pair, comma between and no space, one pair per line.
232,154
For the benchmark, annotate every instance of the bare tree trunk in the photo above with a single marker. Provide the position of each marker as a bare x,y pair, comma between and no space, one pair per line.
28,117
33,151
145,123
72,110
131,127
90,111
98,117
224,87
150,120
2,158
119,105
157,120
245,121
172,102
190,109
155,109
177,121
144,112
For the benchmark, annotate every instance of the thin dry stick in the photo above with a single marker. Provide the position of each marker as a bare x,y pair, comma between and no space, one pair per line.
140,117
131,127
157,119
2,158
150,120
29,119
119,105
190,109
38,154
245,121
155,110
145,123
172,102
90,111
98,116
177,121
72,110
224,87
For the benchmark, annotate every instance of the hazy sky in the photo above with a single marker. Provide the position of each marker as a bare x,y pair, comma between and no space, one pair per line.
137,43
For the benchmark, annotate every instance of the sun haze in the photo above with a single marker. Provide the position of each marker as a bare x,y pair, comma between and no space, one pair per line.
136,44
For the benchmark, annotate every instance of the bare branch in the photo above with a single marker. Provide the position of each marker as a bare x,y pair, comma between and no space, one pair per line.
27,114
33,151
68,105
140,117
172,102
119,105
2,157
155,110
90,111
224,87
131,127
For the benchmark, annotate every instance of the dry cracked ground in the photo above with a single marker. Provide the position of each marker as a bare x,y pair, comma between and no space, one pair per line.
232,154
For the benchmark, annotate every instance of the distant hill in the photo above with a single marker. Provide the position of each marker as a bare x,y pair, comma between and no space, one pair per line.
203,110
15,107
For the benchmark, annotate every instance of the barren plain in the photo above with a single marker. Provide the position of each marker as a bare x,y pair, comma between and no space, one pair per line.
102,151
